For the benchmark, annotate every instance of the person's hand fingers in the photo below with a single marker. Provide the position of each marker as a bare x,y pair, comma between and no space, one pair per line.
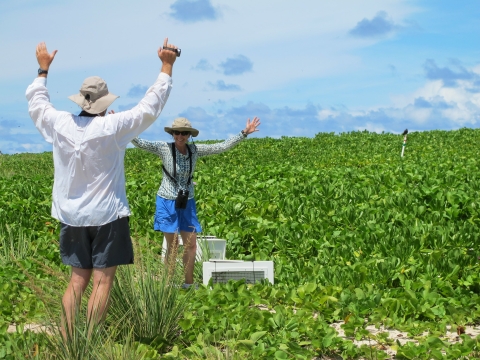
171,47
167,47
111,112
168,55
44,58
40,48
252,125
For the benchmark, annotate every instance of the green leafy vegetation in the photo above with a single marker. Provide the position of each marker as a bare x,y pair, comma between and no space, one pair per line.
357,234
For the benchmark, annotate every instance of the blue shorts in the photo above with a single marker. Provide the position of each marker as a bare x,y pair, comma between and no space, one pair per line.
170,220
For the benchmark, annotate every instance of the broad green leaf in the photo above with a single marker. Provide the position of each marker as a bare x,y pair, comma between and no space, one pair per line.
257,336
281,355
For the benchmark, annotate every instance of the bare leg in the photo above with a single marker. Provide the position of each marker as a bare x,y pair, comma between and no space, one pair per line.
99,300
189,254
73,296
172,251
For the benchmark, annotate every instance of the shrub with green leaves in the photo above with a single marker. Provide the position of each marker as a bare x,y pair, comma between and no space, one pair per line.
354,230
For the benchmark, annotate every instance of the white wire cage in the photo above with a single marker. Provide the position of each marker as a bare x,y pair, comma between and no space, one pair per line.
220,271
213,247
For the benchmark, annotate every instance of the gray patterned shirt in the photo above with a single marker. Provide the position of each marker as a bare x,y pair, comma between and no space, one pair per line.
169,189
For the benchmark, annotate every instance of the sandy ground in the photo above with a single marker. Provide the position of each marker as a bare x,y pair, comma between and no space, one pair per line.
394,335
36,328
402,337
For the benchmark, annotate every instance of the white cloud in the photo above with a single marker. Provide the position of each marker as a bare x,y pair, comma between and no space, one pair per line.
33,147
419,116
371,127
432,106
324,114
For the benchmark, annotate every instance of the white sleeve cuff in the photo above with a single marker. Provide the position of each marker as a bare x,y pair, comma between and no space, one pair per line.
165,77
41,80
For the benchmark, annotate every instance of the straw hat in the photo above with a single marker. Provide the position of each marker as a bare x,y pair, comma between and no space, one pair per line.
94,97
181,124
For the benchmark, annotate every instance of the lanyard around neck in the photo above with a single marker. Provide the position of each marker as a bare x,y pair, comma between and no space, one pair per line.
174,155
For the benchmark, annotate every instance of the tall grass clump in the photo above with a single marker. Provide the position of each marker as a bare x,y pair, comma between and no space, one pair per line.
15,243
83,344
79,341
146,299
146,304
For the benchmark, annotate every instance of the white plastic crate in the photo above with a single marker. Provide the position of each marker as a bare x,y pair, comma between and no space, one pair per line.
216,246
220,271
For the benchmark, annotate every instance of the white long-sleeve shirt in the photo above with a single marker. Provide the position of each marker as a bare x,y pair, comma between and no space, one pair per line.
88,153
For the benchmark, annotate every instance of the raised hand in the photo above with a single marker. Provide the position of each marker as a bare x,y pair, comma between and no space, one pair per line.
168,57
252,126
44,58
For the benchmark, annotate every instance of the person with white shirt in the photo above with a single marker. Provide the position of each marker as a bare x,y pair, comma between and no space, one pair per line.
89,198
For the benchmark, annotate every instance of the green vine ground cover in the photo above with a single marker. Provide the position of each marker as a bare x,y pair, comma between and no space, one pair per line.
356,232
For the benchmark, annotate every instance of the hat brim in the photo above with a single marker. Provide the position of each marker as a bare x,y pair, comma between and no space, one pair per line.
193,131
94,107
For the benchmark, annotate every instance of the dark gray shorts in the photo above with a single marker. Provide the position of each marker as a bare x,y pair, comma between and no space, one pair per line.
88,247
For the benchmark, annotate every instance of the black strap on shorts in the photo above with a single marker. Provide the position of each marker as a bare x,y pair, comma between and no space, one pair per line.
174,155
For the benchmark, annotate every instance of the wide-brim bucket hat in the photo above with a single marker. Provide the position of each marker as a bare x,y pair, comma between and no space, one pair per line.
181,124
94,96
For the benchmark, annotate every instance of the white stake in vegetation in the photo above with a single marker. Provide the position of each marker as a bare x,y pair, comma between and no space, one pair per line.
404,141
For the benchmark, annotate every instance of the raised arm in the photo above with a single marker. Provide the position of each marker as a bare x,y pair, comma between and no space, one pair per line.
168,57
251,127
40,109
155,147
44,59
133,122
211,149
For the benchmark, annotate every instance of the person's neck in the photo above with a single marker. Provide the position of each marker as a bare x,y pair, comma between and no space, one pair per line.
84,113
182,148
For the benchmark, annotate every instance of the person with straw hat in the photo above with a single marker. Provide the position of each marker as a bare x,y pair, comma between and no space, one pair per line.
175,204
89,197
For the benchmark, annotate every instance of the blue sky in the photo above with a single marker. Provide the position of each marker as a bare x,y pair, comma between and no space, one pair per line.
303,67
